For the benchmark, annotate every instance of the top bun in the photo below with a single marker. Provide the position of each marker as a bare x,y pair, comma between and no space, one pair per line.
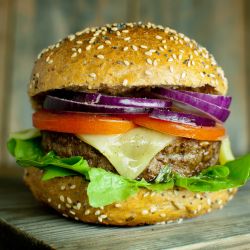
120,56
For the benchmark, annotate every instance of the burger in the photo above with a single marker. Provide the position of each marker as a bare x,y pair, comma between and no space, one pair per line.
129,128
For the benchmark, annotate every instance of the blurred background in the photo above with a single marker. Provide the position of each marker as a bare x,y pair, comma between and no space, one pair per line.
27,26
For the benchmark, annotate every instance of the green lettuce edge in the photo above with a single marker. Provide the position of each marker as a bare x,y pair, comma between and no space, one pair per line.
105,188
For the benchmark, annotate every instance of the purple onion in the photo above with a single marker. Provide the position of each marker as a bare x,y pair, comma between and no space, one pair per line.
219,100
212,110
54,103
179,117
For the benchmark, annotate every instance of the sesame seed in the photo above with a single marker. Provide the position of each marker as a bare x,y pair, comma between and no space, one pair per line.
71,37
125,82
230,197
79,50
171,68
155,62
62,187
180,221
219,201
148,73
209,210
149,61
62,198
72,212
196,52
127,38
37,75
202,74
135,48
57,45
199,207
87,212
144,211
176,192
73,49
76,218
126,62
114,28
174,56
93,75
161,49
170,59
78,206
103,216
163,215
79,42
164,41
69,200
100,219
92,40
50,61
100,56
153,209
88,47
183,75
197,196
100,47
107,42
209,202
73,186
97,212
68,205
146,194
101,207
158,37
152,50
152,194
65,215
118,205
144,46
59,206
180,57
148,53
125,48
118,33
49,200
125,31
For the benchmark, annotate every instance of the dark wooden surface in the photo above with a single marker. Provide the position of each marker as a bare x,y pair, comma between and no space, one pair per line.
25,224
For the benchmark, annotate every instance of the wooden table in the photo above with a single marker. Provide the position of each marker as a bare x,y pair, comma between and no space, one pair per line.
25,224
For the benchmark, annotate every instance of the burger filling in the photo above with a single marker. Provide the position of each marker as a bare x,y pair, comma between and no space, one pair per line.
184,156
161,139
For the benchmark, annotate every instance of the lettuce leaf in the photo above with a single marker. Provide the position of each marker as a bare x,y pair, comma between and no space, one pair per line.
106,188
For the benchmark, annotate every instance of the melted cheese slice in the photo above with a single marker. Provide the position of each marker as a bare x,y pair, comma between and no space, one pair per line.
129,153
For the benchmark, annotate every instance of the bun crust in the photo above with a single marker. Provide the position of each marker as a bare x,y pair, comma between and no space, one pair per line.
68,196
122,56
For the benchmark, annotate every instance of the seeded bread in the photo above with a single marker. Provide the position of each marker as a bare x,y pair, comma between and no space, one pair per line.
68,196
121,56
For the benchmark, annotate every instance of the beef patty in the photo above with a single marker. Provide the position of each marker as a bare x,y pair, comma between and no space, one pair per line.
187,157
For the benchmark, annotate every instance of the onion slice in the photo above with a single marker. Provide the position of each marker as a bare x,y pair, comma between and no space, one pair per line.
212,110
219,100
97,98
179,117
54,103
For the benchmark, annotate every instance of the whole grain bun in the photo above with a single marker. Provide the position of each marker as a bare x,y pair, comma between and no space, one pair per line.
121,56
68,196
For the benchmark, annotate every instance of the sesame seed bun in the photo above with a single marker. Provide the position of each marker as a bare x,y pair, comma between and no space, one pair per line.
68,196
121,56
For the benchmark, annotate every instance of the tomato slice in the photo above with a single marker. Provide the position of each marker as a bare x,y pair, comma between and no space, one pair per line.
182,130
78,123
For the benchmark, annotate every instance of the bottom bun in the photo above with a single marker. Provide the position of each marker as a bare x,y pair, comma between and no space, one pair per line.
68,195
